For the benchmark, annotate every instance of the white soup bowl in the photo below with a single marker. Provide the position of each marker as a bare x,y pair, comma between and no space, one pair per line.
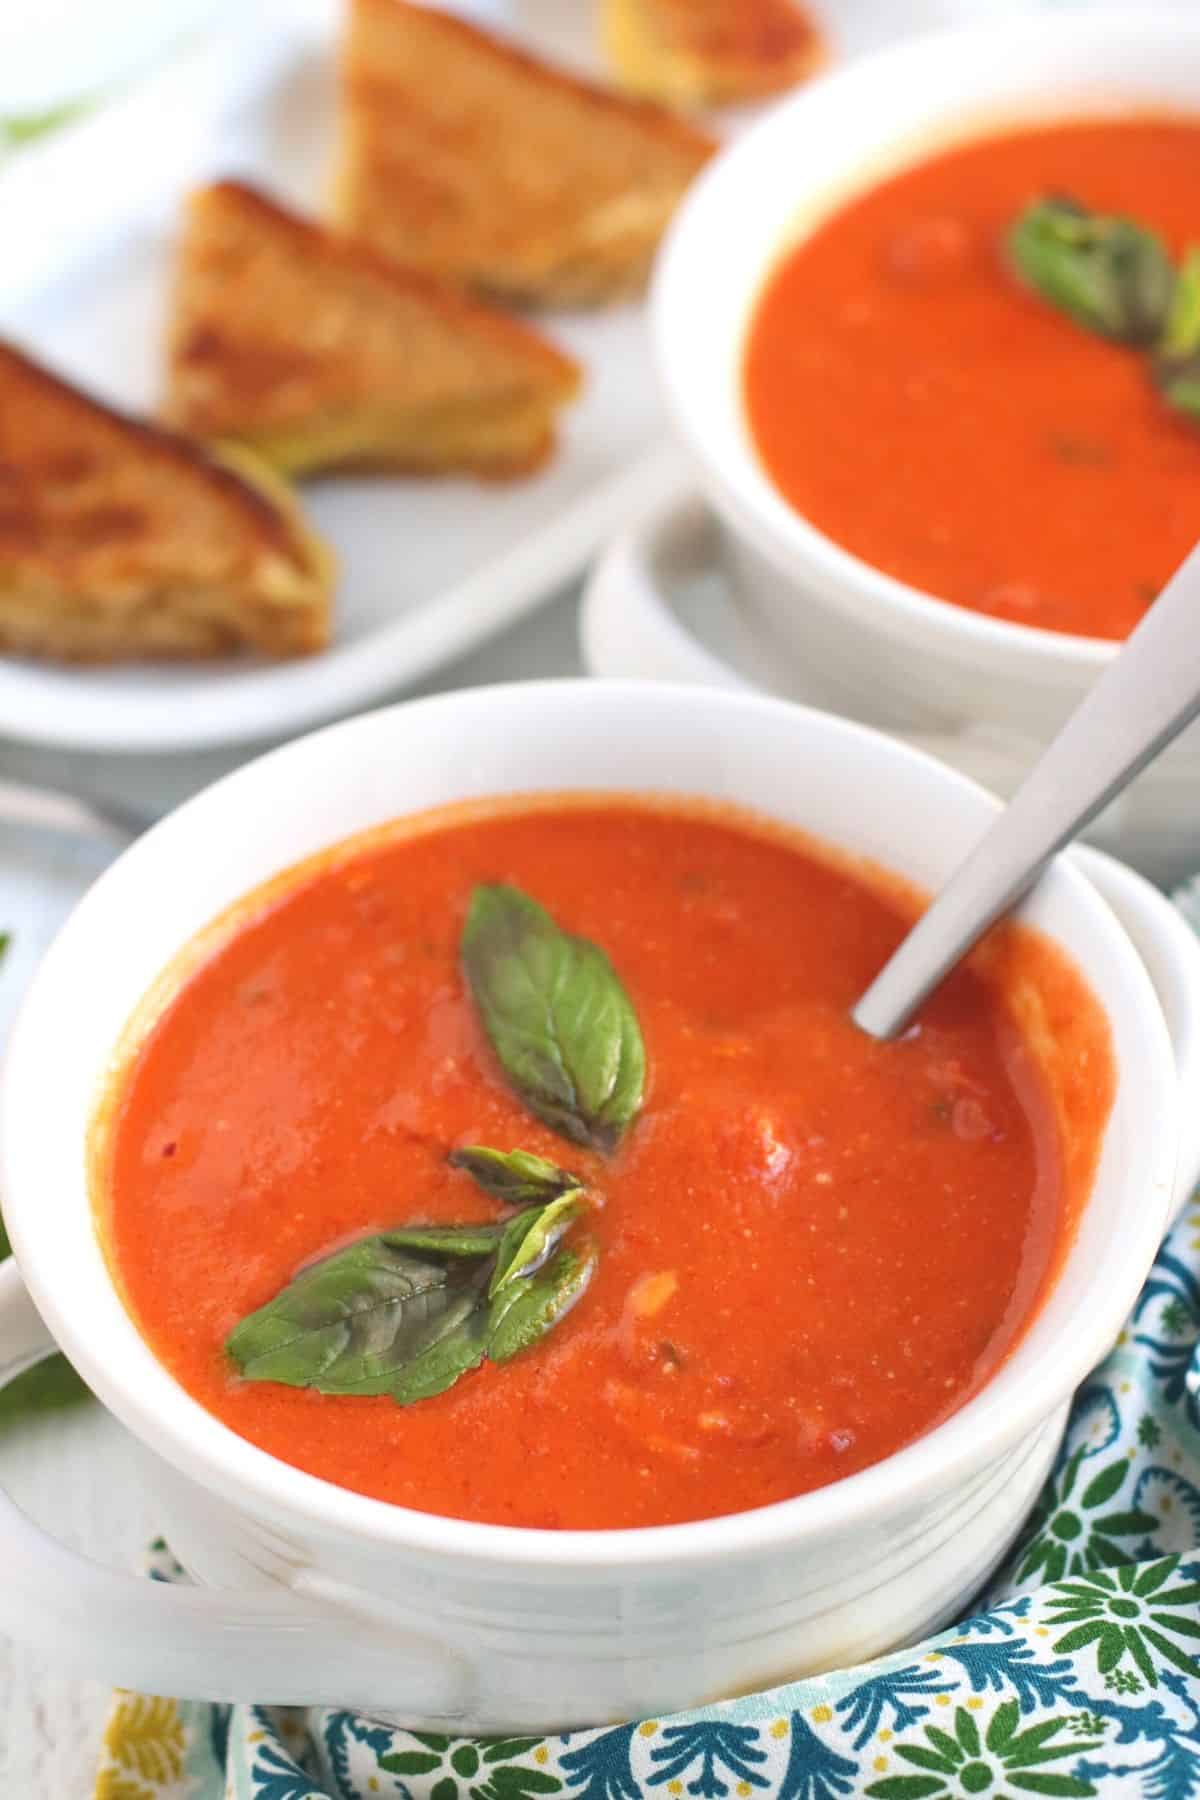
308,1593
862,634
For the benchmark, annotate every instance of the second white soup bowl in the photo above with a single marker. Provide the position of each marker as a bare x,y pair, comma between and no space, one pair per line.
870,639
309,1593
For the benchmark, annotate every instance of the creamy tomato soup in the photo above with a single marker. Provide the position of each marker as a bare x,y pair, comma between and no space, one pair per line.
915,401
806,1247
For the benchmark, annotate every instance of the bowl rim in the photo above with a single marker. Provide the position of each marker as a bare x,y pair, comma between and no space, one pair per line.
729,471
208,1452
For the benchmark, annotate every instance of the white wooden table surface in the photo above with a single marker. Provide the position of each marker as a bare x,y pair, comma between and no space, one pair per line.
72,1470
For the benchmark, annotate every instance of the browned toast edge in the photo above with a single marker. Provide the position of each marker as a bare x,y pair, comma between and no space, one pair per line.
183,451
656,117
458,308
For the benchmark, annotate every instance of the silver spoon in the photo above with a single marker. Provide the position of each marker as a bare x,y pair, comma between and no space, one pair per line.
1143,700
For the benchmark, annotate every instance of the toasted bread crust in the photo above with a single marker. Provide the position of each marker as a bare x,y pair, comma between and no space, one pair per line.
466,154
351,256
710,52
472,40
120,539
320,352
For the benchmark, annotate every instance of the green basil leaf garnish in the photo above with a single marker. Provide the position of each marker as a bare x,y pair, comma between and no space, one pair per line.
512,1243
532,1238
557,1016
446,1240
407,1312
438,1368
514,1176
355,1321
1181,333
1105,272
524,1312
1177,363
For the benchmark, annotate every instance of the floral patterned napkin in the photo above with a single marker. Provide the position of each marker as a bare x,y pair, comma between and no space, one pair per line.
1079,1676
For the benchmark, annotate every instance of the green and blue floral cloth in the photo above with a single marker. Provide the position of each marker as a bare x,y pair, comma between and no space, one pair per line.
1078,1677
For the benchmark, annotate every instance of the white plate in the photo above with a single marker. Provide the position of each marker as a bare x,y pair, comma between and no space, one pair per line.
658,607
428,567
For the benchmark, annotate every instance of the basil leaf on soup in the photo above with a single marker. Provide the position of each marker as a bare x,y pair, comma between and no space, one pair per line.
515,1176
556,1015
525,1311
456,1353
446,1240
512,1243
407,1312
1105,272
1177,360
532,1238
355,1321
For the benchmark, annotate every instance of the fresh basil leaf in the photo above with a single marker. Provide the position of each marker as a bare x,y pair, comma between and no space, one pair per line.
1177,362
526,1251
511,1244
1104,271
446,1240
515,1176
1181,332
356,1321
407,1312
524,1312
461,1349
557,1017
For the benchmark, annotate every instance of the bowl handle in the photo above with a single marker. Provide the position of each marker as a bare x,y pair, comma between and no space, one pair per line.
272,1647
1170,950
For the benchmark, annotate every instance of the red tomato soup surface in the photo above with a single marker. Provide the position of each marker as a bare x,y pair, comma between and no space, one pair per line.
914,401
812,1247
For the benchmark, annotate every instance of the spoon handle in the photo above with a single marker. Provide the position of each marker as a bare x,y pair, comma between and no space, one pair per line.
1143,700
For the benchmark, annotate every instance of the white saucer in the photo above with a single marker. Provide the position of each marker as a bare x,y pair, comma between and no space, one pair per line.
658,607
